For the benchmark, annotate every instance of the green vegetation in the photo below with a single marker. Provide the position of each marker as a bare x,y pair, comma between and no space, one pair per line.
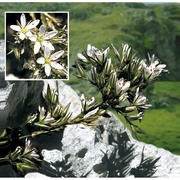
153,29
162,125
147,28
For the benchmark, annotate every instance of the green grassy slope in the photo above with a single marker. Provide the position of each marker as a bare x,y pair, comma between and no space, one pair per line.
147,28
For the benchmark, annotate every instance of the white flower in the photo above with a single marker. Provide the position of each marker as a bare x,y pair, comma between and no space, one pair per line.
49,61
140,100
94,53
90,101
41,39
122,86
154,69
87,101
24,28
29,150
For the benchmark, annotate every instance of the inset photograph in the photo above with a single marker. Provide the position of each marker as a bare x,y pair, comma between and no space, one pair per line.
37,45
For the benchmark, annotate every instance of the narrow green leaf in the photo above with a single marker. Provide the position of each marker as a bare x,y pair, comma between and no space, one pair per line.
116,52
81,70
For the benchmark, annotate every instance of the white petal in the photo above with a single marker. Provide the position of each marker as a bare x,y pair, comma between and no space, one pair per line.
141,100
22,36
47,52
161,66
143,63
15,27
120,82
89,47
137,91
137,94
32,24
91,101
50,34
126,86
42,30
99,56
82,98
147,72
80,56
48,44
57,55
37,47
156,62
29,34
40,60
33,38
56,65
23,20
95,50
105,52
47,69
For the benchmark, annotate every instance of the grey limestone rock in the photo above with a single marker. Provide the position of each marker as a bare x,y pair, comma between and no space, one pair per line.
16,97
85,147
16,100
35,175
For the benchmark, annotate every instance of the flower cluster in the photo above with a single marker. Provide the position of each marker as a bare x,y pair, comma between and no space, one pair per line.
153,69
121,85
41,41
24,158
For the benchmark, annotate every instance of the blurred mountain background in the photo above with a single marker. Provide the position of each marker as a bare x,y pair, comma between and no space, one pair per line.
147,28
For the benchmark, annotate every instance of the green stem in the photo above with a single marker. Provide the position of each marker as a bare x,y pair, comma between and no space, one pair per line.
4,159
25,136
80,116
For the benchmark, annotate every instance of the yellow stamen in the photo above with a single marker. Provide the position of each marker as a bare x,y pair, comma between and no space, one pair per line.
40,39
23,30
47,60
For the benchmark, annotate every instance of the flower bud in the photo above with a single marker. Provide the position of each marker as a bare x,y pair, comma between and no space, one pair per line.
113,80
101,112
14,155
81,70
54,97
94,74
123,97
138,116
16,53
122,86
65,110
57,111
107,66
129,109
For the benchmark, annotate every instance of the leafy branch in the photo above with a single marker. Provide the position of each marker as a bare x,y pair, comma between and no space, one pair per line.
122,81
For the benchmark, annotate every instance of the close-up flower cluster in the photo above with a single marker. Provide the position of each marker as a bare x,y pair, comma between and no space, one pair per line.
37,47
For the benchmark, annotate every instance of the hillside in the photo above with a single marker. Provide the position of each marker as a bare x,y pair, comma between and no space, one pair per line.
153,29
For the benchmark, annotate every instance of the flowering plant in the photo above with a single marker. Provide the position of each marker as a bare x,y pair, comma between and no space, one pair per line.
32,38
121,84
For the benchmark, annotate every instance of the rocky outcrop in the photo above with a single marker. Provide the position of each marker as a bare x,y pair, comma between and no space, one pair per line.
82,151
17,98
